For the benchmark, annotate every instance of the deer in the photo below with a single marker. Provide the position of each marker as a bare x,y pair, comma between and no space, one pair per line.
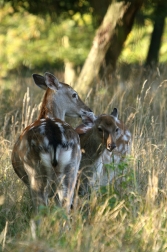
47,154
119,155
95,152
95,138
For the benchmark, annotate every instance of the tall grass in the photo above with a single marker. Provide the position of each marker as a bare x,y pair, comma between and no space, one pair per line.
133,218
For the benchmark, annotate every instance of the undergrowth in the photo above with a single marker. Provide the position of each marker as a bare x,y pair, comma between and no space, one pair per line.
130,217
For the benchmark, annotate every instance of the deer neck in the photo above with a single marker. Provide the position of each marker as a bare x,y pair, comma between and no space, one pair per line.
91,144
51,107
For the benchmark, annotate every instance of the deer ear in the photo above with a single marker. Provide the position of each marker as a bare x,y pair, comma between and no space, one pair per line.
39,81
83,128
51,81
115,112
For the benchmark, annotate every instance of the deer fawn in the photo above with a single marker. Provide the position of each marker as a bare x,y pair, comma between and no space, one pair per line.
118,155
47,154
95,155
95,138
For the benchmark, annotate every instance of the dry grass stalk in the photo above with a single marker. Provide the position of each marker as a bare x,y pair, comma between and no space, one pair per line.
136,220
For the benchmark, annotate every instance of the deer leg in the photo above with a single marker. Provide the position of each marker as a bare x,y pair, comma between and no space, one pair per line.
38,185
68,180
65,191
86,174
38,198
18,166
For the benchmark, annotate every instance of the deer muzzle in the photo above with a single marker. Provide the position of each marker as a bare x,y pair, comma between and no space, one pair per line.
110,143
88,117
111,146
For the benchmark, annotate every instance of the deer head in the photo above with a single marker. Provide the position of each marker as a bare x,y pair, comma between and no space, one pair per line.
60,99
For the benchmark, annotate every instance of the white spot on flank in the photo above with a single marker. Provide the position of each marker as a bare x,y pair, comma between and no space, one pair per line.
64,140
42,129
61,125
58,124
43,123
46,141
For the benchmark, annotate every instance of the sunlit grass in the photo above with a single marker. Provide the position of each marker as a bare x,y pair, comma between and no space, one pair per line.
133,218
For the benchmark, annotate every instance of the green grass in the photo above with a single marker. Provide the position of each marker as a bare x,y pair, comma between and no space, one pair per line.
134,218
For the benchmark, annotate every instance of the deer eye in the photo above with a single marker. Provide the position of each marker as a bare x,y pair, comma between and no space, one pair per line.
117,129
74,95
100,129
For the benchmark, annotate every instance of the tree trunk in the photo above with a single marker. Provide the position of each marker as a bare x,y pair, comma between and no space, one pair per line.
122,31
69,72
156,37
113,31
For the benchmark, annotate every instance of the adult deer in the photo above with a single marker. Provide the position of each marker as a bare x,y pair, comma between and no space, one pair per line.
93,136
47,154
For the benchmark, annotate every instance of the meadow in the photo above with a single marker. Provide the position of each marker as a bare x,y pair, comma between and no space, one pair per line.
130,218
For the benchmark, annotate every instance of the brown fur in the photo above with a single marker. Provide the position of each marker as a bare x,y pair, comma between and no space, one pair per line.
47,154
101,136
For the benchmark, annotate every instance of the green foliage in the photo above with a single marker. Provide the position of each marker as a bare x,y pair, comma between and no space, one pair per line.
65,8
124,178
31,41
122,170
137,43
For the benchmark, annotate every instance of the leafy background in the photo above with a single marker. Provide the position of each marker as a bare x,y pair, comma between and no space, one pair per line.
131,218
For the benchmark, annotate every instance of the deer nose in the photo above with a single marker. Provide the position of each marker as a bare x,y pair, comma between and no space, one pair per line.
88,116
111,146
